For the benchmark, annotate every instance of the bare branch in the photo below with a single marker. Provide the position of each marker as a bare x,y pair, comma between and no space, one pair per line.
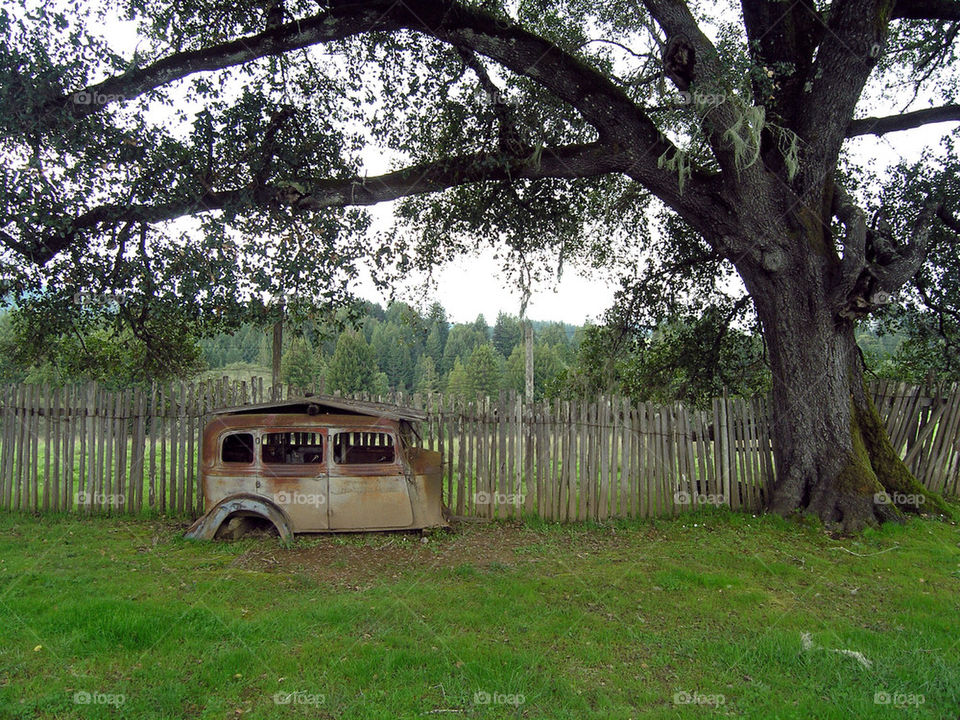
906,121
614,43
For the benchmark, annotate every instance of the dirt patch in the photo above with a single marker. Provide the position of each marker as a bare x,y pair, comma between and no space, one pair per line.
355,561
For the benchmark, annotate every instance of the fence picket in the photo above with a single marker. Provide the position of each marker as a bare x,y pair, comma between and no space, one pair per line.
6,450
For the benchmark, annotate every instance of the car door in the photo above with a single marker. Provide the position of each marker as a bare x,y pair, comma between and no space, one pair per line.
368,487
294,474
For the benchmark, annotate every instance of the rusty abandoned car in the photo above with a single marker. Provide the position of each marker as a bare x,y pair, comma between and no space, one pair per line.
317,464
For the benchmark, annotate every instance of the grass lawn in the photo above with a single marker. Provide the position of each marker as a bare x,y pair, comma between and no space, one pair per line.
699,616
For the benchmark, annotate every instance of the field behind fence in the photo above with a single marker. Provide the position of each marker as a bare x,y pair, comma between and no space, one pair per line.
86,449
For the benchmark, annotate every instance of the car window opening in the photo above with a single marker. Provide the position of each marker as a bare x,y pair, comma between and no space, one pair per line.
292,448
237,448
361,448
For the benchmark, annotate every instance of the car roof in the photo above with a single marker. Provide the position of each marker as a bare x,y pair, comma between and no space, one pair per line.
312,405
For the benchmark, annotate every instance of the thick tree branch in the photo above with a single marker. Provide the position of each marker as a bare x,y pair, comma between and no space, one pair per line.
850,49
690,59
325,27
949,219
572,161
854,259
618,120
906,121
873,265
268,146
782,39
510,139
927,10
892,276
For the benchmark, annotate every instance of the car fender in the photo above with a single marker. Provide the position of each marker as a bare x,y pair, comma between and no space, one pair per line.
205,528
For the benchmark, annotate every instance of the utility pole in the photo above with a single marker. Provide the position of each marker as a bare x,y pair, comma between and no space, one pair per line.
276,390
528,359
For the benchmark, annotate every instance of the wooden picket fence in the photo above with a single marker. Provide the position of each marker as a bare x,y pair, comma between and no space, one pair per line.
924,427
597,460
86,449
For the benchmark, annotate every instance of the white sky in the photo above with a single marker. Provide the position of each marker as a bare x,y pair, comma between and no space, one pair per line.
475,284
469,286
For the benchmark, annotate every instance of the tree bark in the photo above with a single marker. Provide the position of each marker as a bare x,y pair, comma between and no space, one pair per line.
832,453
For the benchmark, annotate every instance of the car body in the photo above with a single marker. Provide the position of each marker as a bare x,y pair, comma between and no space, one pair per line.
317,464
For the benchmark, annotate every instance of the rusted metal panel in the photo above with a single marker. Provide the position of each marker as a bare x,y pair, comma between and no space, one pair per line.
240,505
321,471
358,502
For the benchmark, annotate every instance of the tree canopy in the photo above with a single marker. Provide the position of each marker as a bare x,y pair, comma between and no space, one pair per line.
218,168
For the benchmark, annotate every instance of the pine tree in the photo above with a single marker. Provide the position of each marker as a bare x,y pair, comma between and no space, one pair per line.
264,351
461,342
352,368
381,386
426,379
392,351
484,372
547,367
507,334
458,382
297,365
437,318
435,344
480,325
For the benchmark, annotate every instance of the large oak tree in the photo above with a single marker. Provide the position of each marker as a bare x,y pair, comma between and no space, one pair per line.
542,124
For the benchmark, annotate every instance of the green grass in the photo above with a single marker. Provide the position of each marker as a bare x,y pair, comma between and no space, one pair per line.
575,621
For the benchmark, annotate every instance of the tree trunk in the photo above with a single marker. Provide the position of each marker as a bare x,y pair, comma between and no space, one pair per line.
832,453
